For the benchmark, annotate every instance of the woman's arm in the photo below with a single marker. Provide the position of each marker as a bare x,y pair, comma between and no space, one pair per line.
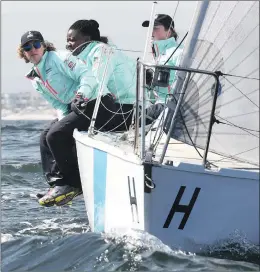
75,69
62,108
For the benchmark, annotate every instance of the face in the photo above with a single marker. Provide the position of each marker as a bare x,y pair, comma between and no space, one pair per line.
160,33
33,51
75,39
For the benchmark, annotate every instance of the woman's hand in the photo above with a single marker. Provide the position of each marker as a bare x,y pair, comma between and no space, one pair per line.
79,103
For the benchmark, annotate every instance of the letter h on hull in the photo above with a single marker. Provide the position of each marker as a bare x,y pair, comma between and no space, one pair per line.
133,200
186,209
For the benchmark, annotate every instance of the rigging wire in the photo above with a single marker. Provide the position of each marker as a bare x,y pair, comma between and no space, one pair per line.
241,92
172,18
231,124
176,48
232,156
217,121
252,78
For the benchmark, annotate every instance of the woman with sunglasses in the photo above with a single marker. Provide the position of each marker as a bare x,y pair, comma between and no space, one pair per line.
60,80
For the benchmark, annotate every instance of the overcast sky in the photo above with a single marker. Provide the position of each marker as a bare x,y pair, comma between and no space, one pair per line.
120,21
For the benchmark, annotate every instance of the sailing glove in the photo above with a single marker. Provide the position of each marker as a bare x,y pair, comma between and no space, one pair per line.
79,104
149,76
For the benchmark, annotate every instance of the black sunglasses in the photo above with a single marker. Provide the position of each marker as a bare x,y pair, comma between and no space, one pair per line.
28,47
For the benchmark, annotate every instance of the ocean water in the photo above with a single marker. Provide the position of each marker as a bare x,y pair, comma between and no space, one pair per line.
34,238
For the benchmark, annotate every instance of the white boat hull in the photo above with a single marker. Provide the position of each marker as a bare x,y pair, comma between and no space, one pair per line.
189,208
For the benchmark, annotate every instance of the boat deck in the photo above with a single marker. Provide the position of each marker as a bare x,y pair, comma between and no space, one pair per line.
176,151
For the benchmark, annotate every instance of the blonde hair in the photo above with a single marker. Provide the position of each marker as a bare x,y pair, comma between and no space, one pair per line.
48,46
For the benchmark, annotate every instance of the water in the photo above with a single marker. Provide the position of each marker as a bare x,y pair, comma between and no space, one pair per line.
34,238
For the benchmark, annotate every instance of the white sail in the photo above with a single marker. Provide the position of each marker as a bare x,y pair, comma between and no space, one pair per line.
225,37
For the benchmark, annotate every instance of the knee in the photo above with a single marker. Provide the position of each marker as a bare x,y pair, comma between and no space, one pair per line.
53,136
43,137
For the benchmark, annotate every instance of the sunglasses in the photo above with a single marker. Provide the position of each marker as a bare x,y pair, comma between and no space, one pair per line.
28,47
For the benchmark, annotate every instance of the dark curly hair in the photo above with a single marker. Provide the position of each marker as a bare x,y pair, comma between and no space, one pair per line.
89,28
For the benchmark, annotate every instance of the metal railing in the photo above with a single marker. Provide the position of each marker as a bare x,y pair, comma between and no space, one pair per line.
141,97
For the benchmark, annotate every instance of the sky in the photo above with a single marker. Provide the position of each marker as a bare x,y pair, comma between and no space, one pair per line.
119,20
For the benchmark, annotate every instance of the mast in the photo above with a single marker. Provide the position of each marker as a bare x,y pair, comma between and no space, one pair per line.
196,25
194,31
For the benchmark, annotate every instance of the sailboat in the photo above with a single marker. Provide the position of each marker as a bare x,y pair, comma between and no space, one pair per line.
192,178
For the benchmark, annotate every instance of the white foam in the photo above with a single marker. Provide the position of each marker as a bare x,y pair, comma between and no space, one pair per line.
135,239
6,237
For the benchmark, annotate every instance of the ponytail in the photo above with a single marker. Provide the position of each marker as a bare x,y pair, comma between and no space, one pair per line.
104,39
174,34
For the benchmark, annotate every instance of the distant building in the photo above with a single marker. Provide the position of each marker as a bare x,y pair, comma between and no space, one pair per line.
23,100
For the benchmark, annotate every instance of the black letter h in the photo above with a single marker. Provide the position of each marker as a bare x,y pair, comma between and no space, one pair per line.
186,209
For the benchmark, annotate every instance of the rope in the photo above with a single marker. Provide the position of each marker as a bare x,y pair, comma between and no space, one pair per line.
106,132
124,122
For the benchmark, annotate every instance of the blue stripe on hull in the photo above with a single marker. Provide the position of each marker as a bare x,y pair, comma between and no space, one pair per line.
100,171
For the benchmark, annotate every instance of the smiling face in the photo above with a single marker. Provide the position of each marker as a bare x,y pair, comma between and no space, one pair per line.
33,51
75,39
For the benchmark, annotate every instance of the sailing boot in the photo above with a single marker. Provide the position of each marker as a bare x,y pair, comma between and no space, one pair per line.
59,195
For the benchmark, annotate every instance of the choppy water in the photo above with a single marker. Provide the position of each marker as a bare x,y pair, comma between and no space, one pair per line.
35,238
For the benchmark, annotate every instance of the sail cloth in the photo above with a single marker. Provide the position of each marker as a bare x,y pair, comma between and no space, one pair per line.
224,37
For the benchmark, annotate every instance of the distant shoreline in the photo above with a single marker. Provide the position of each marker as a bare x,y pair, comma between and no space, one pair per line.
29,117
27,114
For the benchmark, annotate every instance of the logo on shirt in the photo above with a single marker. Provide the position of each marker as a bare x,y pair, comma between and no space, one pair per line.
95,62
71,65
48,70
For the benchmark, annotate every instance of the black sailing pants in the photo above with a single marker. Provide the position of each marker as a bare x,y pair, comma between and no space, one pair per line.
57,144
